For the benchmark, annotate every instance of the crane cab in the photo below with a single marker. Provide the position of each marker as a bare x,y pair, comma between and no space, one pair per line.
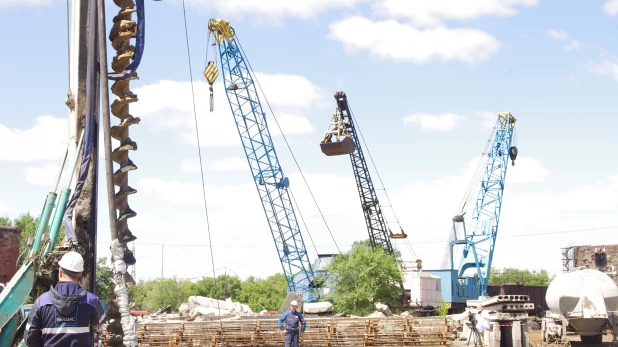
345,146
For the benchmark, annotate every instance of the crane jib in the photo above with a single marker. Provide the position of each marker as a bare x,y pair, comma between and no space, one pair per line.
271,183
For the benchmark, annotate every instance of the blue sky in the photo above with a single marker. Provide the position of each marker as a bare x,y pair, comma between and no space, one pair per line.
423,78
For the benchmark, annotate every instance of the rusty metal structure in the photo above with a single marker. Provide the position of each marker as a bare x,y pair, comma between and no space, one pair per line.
321,332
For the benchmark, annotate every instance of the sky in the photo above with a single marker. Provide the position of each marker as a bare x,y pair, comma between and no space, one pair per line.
425,80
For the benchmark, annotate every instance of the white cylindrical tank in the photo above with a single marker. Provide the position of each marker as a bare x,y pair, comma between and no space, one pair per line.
584,293
584,298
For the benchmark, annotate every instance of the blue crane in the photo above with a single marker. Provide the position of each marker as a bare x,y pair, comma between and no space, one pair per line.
271,183
466,265
477,243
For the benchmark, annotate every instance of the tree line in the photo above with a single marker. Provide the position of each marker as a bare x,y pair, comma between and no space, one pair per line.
356,281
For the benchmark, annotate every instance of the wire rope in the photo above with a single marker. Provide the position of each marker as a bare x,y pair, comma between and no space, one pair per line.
199,151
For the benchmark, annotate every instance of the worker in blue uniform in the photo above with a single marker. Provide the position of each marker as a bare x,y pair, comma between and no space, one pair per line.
67,315
292,319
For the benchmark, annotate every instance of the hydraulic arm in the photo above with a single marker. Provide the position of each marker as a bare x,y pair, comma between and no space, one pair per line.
346,141
271,183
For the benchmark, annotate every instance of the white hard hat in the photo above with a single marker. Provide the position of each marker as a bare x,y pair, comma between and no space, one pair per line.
72,261
294,303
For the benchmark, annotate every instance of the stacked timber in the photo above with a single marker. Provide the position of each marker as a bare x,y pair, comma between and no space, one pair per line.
321,332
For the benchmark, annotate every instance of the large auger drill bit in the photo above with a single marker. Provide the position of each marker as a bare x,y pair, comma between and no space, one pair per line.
122,328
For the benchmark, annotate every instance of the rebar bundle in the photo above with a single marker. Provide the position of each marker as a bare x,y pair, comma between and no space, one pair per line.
321,332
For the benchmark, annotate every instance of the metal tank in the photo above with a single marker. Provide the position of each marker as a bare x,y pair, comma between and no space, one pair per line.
585,298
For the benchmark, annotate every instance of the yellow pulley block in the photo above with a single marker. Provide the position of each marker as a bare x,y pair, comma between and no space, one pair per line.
210,73
221,29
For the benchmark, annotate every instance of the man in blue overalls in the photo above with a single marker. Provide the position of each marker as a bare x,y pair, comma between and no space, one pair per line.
66,315
292,318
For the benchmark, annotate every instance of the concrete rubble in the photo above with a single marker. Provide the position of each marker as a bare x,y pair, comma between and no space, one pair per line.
318,307
198,306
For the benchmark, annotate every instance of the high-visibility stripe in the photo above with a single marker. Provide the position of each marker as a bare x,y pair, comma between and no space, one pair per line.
66,330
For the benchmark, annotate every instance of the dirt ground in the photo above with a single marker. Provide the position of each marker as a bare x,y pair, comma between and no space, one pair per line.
536,340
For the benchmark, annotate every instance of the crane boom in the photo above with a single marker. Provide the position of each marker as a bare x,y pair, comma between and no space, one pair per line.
479,242
347,142
271,183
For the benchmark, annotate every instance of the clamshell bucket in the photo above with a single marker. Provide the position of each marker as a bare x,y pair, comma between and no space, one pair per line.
398,236
345,146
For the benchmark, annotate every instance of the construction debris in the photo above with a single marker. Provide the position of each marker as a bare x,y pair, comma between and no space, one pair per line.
384,309
198,306
318,307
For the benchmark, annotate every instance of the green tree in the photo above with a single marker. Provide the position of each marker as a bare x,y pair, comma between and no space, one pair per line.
105,279
6,221
155,294
264,294
518,276
364,277
226,287
28,225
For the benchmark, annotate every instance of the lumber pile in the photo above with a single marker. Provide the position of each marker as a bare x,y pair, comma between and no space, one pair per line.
321,332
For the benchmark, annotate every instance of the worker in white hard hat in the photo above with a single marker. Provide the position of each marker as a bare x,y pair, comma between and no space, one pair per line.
292,318
66,315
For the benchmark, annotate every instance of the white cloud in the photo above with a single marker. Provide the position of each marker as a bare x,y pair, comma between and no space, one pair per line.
487,119
42,176
28,3
180,193
223,165
611,7
167,105
290,124
432,12
563,36
572,80
395,41
558,34
237,223
284,90
46,140
429,122
574,44
425,208
606,68
230,164
190,165
528,170
273,9
3,207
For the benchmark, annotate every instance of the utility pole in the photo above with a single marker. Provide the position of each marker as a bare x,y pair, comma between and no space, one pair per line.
162,249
